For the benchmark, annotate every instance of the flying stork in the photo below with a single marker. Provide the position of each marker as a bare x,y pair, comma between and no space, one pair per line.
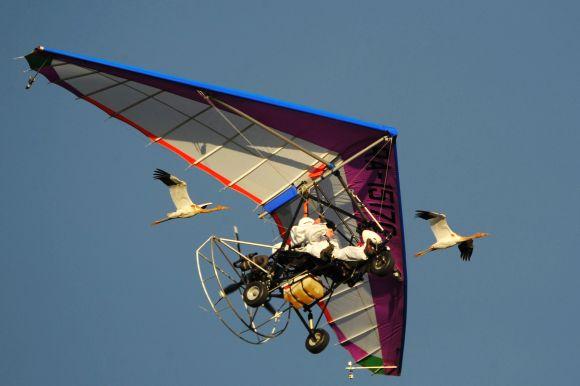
445,237
178,191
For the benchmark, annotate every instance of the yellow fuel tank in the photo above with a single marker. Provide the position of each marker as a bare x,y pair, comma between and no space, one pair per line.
303,290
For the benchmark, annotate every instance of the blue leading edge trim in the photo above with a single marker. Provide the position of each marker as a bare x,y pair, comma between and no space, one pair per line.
391,130
281,199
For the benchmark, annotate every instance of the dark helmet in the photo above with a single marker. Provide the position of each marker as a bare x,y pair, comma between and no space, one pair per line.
330,225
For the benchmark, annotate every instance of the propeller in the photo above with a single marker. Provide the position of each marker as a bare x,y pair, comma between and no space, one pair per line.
233,287
268,306
237,236
236,286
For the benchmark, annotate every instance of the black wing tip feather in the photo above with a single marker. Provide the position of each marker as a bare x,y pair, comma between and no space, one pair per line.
159,173
466,249
163,176
424,214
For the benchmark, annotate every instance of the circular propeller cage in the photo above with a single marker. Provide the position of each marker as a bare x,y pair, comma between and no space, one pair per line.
224,283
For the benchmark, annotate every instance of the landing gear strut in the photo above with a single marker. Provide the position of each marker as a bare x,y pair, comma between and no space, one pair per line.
317,338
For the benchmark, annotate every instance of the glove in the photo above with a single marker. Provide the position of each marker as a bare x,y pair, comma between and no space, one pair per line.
326,253
370,249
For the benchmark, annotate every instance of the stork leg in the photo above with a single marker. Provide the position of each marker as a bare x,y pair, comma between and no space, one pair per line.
421,253
160,221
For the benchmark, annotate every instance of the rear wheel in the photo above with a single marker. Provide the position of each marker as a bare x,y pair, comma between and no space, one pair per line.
317,341
255,294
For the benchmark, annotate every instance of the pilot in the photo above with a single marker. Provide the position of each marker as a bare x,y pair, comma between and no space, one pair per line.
319,237
298,232
309,231
301,234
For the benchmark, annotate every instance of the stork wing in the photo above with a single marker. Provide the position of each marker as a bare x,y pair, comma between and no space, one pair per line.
180,196
438,223
466,249
167,178
177,188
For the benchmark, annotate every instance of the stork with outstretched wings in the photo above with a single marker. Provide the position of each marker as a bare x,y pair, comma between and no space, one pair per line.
184,206
445,237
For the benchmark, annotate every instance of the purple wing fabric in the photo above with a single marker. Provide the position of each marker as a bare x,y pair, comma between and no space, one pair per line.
368,318
377,186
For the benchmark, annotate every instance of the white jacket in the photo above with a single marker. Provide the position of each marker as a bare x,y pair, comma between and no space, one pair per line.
298,232
300,235
350,253
317,247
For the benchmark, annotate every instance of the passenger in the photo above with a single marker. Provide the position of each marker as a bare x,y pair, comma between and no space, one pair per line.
351,253
371,241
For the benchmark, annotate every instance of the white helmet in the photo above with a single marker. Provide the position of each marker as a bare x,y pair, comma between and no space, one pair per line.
372,236
304,221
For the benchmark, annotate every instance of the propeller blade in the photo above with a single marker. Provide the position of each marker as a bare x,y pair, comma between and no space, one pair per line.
237,236
232,288
270,308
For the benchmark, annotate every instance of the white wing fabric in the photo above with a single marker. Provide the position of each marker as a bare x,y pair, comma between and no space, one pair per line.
190,119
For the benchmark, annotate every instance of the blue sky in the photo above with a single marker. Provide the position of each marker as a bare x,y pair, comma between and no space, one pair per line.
486,98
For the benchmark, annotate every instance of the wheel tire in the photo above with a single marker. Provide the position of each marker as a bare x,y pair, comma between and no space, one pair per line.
255,294
381,264
317,341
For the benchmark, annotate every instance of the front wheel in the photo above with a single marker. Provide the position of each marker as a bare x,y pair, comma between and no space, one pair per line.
381,264
317,341
256,294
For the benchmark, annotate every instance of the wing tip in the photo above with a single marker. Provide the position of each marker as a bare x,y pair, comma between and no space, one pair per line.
163,176
466,250
425,215
159,173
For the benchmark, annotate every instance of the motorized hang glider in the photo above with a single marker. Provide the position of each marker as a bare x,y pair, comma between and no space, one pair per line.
279,156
